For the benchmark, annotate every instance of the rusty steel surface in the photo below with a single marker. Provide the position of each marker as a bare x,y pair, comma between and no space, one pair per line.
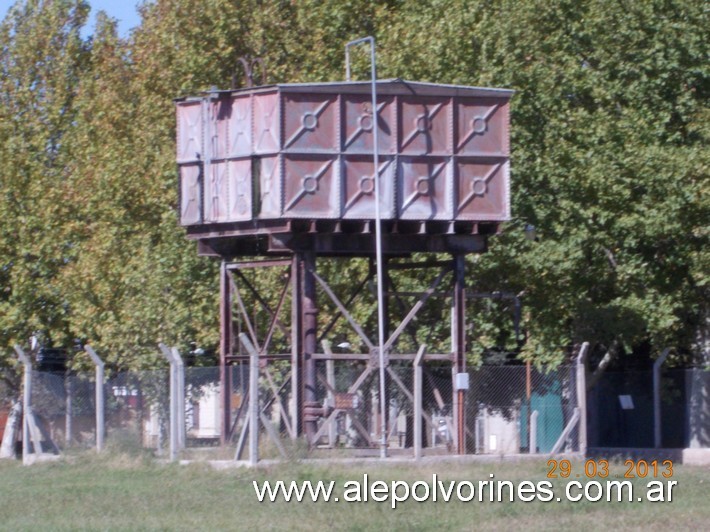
305,152
307,286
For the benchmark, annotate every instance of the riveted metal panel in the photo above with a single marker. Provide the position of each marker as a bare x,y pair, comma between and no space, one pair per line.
359,187
239,190
358,124
424,185
266,123
189,131
264,155
311,186
218,114
482,126
267,173
216,193
190,194
481,189
239,127
310,123
424,125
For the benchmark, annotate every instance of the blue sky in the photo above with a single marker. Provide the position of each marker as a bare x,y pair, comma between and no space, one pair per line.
122,10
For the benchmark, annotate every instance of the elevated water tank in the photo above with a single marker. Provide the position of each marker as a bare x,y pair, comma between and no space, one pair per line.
297,160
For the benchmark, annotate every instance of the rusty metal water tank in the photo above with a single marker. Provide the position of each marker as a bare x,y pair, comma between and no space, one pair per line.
273,168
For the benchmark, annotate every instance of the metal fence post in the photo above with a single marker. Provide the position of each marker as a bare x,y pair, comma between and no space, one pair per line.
566,432
7,447
180,397
533,432
253,399
167,353
100,403
582,396
26,398
330,379
418,385
68,391
657,397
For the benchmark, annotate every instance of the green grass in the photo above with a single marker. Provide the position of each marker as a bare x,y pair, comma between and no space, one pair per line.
123,492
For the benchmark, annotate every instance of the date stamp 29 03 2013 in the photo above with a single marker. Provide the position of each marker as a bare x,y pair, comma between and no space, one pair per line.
600,469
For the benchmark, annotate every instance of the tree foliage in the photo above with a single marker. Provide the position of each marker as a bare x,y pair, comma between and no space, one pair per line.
610,161
41,59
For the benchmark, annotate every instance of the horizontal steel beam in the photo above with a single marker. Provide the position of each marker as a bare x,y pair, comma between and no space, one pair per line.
245,358
266,263
345,356
390,357
339,226
363,245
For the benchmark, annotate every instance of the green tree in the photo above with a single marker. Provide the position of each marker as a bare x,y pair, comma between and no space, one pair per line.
136,281
41,58
609,136
609,163
611,166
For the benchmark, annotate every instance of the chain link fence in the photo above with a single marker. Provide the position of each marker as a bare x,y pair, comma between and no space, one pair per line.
498,407
64,409
621,409
504,400
506,409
